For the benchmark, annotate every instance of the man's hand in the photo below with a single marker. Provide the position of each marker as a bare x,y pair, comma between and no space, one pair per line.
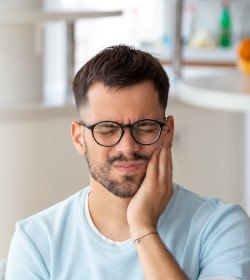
144,211
151,199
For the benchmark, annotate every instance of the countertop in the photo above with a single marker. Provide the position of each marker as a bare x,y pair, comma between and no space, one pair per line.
215,88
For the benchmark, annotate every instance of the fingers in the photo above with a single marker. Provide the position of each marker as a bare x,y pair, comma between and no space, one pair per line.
165,163
152,168
159,168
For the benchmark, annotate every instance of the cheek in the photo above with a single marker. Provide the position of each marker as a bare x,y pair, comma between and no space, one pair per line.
157,144
149,150
96,153
165,134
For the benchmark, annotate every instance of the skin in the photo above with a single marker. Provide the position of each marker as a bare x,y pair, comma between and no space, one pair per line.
136,215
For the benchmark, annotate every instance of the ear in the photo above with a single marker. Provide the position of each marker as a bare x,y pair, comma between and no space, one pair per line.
170,125
77,137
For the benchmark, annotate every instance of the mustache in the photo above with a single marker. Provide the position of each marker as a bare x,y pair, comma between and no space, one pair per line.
122,158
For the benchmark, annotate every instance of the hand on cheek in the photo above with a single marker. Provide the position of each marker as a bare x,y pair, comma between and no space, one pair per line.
151,199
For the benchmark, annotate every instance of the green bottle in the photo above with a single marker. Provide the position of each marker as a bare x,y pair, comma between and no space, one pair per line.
225,36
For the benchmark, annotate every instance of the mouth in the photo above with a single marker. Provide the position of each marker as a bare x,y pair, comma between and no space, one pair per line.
128,167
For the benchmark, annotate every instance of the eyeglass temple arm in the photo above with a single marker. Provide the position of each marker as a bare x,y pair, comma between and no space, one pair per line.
85,125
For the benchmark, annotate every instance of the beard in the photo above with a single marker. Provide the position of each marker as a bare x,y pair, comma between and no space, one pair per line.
128,185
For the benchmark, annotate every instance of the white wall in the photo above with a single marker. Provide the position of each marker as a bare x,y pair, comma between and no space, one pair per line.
38,164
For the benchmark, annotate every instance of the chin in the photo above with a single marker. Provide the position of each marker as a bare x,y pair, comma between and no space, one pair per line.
126,187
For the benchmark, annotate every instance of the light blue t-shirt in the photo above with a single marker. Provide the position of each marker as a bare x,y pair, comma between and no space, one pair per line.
206,236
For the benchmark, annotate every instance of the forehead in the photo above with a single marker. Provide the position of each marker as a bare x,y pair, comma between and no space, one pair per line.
127,104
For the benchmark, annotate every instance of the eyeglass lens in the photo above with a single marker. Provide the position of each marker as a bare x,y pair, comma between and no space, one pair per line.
109,133
146,132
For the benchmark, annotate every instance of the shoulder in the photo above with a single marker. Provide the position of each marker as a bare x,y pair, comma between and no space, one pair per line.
207,217
207,210
40,238
53,219
217,232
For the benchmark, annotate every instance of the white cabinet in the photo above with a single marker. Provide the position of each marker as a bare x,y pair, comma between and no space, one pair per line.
208,152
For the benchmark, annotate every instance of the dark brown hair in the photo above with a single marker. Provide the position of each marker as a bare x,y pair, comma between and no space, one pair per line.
118,67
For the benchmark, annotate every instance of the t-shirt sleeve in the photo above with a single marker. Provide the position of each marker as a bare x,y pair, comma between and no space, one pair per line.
225,249
24,259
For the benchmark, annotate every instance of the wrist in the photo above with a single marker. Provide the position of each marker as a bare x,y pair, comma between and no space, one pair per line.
138,231
138,240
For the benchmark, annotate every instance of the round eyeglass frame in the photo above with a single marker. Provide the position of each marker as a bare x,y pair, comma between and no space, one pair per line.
122,126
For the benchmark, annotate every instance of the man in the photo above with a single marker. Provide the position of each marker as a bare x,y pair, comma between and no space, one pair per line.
132,222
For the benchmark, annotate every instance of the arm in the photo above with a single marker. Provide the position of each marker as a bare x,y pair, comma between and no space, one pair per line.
144,211
156,261
225,249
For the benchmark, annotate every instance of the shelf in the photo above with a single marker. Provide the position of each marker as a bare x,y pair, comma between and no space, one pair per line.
34,17
209,56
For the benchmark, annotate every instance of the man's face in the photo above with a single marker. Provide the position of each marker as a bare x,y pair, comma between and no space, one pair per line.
120,168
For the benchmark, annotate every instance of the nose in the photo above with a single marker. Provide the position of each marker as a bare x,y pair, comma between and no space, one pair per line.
127,145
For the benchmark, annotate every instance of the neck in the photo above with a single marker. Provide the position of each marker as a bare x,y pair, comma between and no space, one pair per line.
108,212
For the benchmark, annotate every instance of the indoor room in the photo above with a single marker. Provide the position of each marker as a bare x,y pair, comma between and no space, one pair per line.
203,47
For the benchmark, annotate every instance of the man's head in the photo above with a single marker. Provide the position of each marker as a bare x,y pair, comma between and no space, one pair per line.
118,67
123,86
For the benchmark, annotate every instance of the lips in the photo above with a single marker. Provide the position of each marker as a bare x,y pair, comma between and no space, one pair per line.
128,167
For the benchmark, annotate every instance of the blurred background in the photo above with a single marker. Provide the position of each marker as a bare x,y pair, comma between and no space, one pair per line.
203,46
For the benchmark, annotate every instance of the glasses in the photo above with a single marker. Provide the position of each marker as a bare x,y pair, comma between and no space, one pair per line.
109,133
